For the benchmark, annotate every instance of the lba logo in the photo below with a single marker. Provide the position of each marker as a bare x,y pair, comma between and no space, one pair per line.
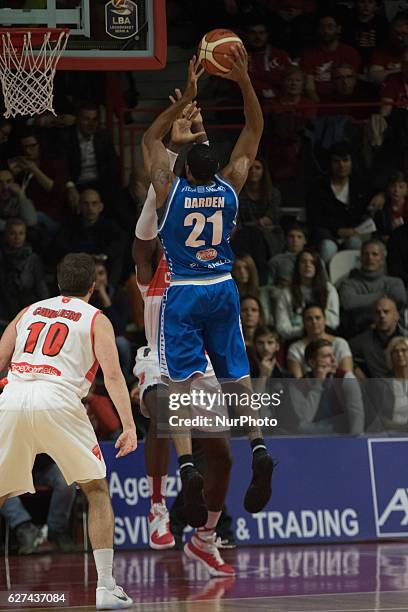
389,481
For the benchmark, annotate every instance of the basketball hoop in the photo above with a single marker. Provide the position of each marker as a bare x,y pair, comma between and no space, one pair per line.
28,60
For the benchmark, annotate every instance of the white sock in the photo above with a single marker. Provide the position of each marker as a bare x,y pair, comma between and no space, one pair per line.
104,564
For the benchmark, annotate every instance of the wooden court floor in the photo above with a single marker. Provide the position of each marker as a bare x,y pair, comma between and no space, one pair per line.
329,578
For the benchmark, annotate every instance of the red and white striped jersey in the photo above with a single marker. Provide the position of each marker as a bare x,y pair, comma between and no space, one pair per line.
55,344
152,295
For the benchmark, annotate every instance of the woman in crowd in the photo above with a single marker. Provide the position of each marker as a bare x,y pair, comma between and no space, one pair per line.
314,324
245,274
395,209
293,99
259,203
251,316
391,394
246,277
309,286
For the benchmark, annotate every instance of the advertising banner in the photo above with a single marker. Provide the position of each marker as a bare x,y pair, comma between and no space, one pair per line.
332,489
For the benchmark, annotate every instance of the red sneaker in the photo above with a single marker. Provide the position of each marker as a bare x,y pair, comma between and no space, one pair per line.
160,536
203,548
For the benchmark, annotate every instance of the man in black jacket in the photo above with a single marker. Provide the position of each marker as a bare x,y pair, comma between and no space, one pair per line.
336,205
91,232
91,156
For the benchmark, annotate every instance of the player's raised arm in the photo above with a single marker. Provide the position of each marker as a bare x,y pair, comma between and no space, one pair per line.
246,148
154,152
185,129
107,356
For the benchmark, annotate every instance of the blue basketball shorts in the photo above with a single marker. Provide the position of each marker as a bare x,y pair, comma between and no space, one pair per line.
197,319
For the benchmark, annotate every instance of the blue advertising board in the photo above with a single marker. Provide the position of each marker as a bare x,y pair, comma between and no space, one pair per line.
335,489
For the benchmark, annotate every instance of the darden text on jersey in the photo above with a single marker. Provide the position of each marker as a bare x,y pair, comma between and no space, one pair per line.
211,202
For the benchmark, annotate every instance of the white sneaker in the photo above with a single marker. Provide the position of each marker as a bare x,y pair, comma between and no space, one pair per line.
203,548
160,536
107,599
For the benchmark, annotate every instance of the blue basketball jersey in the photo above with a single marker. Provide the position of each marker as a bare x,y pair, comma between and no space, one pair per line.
196,228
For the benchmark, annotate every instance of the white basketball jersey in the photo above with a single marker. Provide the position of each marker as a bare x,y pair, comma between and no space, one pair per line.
152,295
55,344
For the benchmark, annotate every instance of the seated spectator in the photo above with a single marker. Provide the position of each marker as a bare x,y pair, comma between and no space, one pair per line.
92,159
368,347
348,89
259,203
309,285
249,240
336,204
397,258
266,345
267,64
292,23
115,305
251,317
6,128
395,210
282,266
287,138
21,272
394,94
29,537
245,274
13,201
366,29
92,232
329,399
314,325
43,179
387,59
291,98
365,285
317,61
389,395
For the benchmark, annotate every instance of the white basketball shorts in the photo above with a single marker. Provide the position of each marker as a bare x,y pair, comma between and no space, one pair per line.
147,370
41,417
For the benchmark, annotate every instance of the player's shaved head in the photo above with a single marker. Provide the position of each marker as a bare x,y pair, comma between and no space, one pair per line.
76,274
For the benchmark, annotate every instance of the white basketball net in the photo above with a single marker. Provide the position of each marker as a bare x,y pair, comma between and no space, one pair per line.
27,75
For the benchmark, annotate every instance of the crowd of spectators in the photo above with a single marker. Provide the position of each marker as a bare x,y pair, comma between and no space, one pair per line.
332,80
331,176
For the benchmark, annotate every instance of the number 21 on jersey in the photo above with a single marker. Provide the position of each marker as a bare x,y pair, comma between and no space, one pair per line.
198,221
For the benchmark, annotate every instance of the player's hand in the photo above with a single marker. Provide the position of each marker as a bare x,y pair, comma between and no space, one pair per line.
239,70
126,443
196,118
181,133
195,70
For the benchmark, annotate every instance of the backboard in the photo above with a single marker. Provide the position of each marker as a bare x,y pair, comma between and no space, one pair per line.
104,34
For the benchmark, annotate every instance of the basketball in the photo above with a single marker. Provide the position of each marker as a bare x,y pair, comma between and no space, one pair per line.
214,50
119,3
